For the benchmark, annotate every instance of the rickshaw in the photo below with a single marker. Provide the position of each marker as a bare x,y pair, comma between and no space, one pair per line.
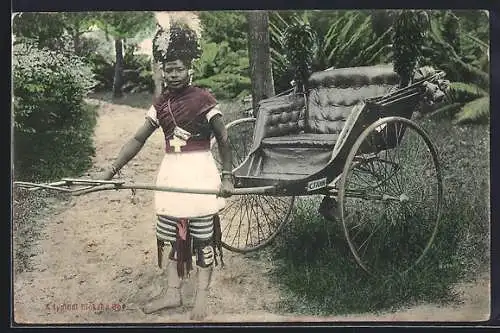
351,136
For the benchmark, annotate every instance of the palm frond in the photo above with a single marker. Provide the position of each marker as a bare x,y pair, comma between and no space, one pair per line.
477,111
332,36
342,36
446,112
478,42
375,57
280,20
276,34
470,72
376,44
334,29
484,62
460,92
357,37
435,28
277,57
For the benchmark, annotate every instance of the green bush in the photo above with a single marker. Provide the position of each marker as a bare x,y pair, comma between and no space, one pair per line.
224,71
96,56
137,72
53,127
103,70
224,66
226,86
225,26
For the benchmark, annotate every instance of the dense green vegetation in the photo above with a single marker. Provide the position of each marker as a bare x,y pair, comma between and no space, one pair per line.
455,41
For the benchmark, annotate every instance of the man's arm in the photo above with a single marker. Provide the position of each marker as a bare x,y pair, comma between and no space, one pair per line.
220,134
131,148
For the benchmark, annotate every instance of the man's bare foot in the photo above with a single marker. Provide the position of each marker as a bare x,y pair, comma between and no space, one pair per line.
171,298
200,309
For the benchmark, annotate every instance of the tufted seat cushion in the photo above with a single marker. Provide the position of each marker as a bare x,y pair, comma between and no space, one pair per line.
279,116
333,93
282,116
302,140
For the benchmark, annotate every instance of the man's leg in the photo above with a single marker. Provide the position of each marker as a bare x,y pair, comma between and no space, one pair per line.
166,231
202,233
205,265
170,297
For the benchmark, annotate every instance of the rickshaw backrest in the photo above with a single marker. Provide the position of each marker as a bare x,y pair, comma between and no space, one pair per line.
333,93
279,116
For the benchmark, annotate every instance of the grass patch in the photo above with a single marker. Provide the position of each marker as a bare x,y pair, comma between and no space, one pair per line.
319,276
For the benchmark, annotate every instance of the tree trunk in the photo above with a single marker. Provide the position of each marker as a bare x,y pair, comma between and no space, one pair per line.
76,43
157,77
75,33
118,78
260,57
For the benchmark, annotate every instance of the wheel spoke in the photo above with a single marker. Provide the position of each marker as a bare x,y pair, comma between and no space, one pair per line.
249,220
388,153
369,237
238,234
264,212
259,227
388,236
273,207
232,218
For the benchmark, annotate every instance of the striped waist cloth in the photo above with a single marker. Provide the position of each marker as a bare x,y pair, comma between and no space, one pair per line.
200,228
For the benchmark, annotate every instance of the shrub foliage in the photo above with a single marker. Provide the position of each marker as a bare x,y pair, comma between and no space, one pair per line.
53,126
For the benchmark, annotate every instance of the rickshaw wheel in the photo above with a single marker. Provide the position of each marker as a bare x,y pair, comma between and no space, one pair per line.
249,222
390,196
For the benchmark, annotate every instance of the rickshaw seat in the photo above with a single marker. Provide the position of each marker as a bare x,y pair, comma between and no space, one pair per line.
295,135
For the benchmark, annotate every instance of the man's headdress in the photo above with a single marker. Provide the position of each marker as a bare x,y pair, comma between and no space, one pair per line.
177,37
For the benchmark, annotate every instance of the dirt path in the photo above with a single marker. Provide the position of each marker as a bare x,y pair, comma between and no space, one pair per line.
101,249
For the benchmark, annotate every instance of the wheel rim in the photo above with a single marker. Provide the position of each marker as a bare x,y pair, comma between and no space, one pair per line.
249,222
390,200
